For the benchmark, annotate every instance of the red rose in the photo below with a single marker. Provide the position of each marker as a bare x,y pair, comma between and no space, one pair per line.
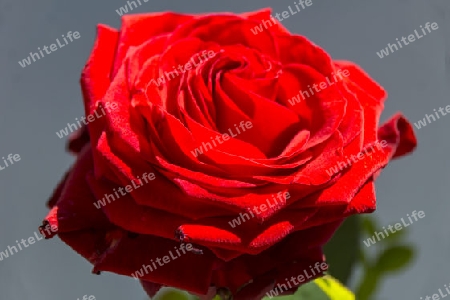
215,126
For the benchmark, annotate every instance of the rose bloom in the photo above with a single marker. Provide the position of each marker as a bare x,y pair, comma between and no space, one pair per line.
180,83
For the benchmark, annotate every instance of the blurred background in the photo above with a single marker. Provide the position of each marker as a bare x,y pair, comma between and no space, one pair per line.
38,100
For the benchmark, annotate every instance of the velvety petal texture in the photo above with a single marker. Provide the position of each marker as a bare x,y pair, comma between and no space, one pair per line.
240,152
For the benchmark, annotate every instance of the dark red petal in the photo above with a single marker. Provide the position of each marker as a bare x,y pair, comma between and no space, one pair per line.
151,288
188,271
74,209
398,127
57,191
78,140
277,259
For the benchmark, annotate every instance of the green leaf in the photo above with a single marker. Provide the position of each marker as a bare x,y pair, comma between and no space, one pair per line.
394,259
325,288
368,285
173,294
369,225
308,291
342,250
334,289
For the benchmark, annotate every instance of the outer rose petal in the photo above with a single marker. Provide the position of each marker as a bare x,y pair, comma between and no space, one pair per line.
398,127
74,209
57,191
370,94
264,15
96,75
138,28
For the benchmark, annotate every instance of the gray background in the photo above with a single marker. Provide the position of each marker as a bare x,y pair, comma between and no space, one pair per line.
40,99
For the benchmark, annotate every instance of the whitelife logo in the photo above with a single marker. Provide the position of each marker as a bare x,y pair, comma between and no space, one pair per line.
319,87
86,120
31,240
27,61
263,207
411,38
355,158
224,136
319,267
124,9
423,123
128,189
438,296
371,241
284,15
86,297
187,66
11,158
165,260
